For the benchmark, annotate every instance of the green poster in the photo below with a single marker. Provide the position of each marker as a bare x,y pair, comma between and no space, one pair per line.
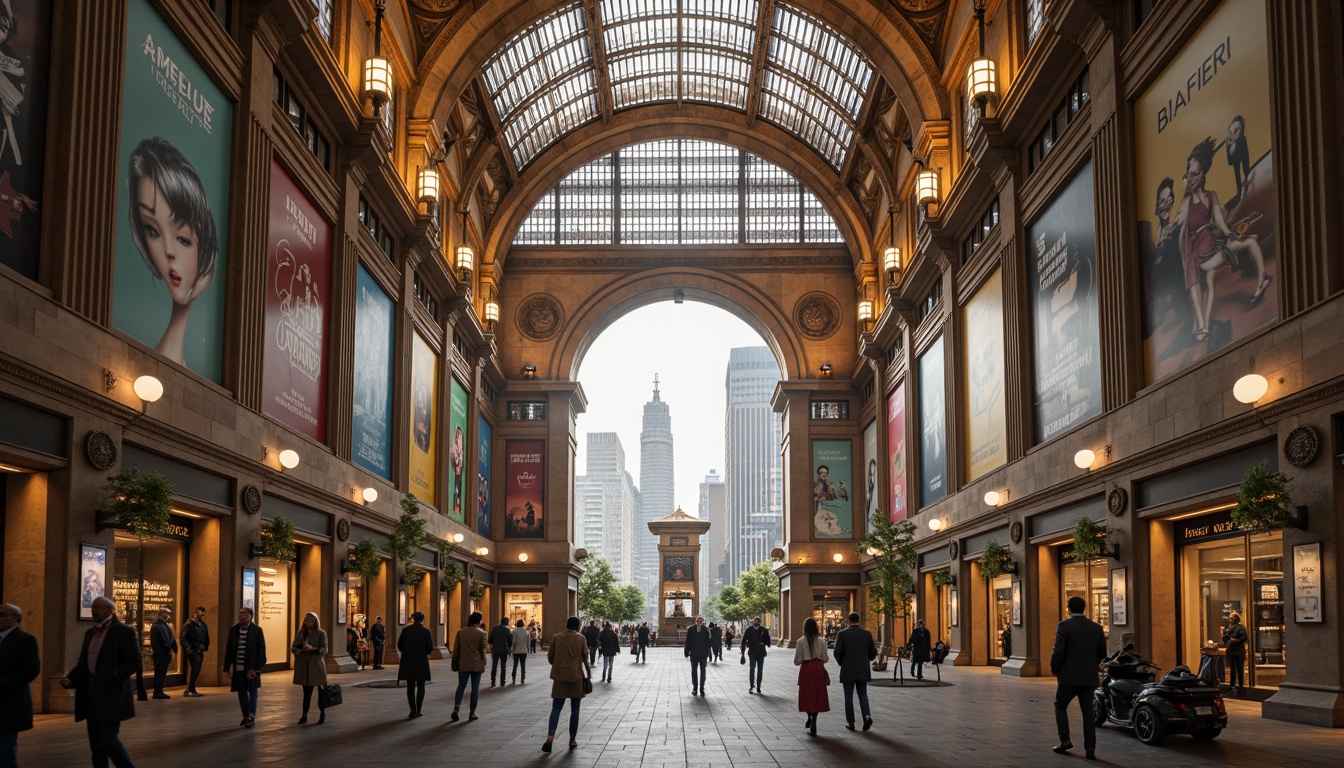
457,447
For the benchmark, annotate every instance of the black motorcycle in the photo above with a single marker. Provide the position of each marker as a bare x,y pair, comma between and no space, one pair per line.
1131,696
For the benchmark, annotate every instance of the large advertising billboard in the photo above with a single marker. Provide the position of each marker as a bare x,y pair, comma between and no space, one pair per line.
25,67
524,489
176,137
932,424
483,447
832,503
872,494
1205,184
424,420
298,279
371,418
982,379
457,449
896,453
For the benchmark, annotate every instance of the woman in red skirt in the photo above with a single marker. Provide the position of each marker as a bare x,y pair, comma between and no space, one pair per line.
810,656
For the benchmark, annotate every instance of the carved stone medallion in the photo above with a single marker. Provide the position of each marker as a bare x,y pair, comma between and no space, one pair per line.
817,315
953,551
1301,445
101,450
343,530
1117,501
1015,531
540,317
252,499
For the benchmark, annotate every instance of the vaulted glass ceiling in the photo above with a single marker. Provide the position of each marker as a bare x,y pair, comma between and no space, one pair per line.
544,81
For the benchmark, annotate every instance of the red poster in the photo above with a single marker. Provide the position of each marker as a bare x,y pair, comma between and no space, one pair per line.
896,451
524,488
298,277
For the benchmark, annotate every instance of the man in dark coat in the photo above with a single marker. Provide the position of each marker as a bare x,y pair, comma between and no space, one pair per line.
610,646
102,682
378,636
642,636
1080,644
163,645
697,649
19,666
591,634
195,642
1234,641
920,643
501,643
244,659
855,651
755,641
716,642
414,645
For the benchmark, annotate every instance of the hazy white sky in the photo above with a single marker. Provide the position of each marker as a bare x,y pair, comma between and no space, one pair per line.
687,346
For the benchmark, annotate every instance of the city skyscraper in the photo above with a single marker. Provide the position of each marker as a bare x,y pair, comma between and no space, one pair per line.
657,490
605,501
714,508
753,471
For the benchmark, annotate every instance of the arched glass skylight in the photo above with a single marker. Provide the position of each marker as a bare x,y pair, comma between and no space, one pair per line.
544,80
678,191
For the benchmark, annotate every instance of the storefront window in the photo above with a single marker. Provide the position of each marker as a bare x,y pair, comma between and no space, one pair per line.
1088,580
831,612
147,576
943,626
273,599
1001,618
523,606
1242,574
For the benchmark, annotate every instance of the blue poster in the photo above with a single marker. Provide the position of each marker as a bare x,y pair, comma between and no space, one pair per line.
372,409
933,425
832,497
483,477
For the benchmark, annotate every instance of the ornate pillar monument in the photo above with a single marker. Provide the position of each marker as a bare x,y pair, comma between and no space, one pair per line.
678,567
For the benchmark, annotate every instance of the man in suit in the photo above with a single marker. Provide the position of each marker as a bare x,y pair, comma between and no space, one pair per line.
591,634
697,649
195,642
920,643
102,682
378,636
164,647
244,659
1080,644
501,643
854,651
19,666
414,645
755,641
716,642
642,636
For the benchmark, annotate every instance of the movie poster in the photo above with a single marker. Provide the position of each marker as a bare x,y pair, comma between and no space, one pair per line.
298,278
896,452
371,417
172,210
872,495
1062,264
25,63
1205,186
982,368
424,419
933,425
483,447
832,507
524,489
457,449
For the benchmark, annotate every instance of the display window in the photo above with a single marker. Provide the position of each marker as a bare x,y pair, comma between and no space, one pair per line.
274,598
831,610
942,625
1000,618
149,574
524,607
1089,580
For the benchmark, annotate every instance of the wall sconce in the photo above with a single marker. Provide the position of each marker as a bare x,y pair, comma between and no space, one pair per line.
369,495
529,371
935,524
678,296
838,557
826,370
1084,458
483,551
1250,388
926,187
872,552
289,458
522,557
995,498
378,70
148,389
427,190
891,262
981,78
866,311
491,314
458,538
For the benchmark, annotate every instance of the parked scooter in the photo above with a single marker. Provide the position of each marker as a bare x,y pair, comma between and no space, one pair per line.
1130,696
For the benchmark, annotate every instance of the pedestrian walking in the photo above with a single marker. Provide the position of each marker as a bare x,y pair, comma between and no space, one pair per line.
414,645
696,648
810,657
20,664
163,647
522,640
920,644
533,635
570,669
642,643
244,658
591,635
609,644
728,636
378,636
1080,644
469,662
716,642
854,652
501,642
195,642
310,664
755,641
1234,643
102,683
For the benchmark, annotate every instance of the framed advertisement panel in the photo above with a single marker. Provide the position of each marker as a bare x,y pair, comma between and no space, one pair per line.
872,495
832,499
524,489
424,420
1119,597
484,440
933,425
1308,607
896,452
342,601
371,422
983,374
92,578
26,46
250,589
1017,603
457,449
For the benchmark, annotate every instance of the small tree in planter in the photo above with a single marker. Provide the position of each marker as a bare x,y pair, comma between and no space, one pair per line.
366,561
407,537
277,540
1089,539
892,547
1263,504
943,577
452,576
996,560
139,501
477,590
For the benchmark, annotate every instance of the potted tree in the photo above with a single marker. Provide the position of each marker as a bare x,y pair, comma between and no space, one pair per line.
477,590
365,561
996,560
407,537
139,501
1263,503
276,541
1089,539
943,577
892,548
452,576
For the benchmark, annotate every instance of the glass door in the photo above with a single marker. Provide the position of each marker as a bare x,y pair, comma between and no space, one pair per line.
1001,618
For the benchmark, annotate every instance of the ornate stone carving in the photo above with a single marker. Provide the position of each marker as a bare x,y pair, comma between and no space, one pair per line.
1301,446
1117,501
252,499
436,6
1015,531
953,551
817,315
343,530
540,316
101,450
928,18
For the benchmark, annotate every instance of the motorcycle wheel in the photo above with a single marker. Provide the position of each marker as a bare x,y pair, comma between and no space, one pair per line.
1206,734
1098,711
1148,725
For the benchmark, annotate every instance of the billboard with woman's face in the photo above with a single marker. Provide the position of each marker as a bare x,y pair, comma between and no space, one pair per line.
457,450
896,452
832,498
483,446
424,419
176,137
371,416
25,66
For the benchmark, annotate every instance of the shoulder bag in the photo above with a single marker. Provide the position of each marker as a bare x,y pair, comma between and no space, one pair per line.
587,685
328,695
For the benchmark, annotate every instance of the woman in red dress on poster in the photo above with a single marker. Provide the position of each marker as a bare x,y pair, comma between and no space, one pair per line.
810,656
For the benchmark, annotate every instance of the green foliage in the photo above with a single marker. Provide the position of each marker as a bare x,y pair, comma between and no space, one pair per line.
1263,503
730,604
597,588
412,575
1088,539
630,602
477,590
139,501
892,547
277,539
407,538
995,560
756,594
942,577
710,608
366,561
452,575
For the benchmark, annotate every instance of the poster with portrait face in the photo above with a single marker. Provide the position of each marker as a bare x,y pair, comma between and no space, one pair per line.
1061,262
176,132
424,419
25,64
524,489
982,367
372,407
1205,186
457,450
896,452
933,425
832,503
678,569
298,279
483,445
872,494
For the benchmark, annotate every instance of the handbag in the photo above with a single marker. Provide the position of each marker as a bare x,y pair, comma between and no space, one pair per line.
742,660
826,675
634,650
329,696
587,685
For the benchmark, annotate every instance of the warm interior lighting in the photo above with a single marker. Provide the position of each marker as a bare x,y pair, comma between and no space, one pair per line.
15,470
378,79
982,81
1250,388
935,524
529,371
466,260
522,557
428,189
838,557
483,551
491,313
826,369
891,259
289,458
992,498
926,187
370,495
457,537
148,388
865,311
269,571
1084,458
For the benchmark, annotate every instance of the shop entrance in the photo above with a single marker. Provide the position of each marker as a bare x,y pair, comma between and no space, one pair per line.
1000,619
149,574
831,610
1089,580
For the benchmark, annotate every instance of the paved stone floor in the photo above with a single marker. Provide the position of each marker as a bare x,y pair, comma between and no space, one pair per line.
647,718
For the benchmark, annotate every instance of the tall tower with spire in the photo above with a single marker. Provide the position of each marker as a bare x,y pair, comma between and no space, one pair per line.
657,497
